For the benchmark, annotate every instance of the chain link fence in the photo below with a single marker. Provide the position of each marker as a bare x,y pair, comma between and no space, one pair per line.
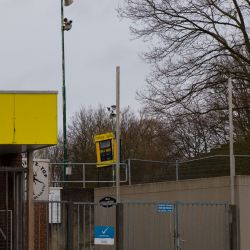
146,171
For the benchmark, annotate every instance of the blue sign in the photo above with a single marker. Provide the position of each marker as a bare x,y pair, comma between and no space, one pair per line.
165,208
104,235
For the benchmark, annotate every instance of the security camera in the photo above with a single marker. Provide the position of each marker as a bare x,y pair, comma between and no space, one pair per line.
108,108
67,24
113,106
67,27
111,116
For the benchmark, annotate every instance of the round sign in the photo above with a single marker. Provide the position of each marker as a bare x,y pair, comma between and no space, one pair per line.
107,201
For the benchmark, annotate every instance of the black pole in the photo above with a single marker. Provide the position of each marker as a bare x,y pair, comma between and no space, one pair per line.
98,176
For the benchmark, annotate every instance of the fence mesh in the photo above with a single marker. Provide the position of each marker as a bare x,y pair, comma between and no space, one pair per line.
5,231
213,166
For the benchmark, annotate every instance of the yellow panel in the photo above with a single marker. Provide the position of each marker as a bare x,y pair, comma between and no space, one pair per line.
104,137
98,152
36,119
6,118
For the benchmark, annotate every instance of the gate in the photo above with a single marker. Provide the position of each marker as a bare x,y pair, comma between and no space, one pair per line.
12,208
175,225
147,225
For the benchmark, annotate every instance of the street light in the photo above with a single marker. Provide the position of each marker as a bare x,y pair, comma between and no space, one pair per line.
65,25
111,116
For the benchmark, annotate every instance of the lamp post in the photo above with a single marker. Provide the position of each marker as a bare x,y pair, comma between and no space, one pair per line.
112,116
65,25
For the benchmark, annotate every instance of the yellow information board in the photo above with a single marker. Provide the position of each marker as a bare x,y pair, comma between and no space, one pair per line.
28,118
105,148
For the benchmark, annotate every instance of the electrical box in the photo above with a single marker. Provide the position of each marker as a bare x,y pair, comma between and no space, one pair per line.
105,148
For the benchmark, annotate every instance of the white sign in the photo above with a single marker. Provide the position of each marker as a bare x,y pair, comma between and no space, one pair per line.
54,207
40,178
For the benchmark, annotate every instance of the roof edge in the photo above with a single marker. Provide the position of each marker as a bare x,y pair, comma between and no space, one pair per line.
28,92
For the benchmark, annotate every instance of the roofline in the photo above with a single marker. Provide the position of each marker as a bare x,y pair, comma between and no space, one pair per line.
28,92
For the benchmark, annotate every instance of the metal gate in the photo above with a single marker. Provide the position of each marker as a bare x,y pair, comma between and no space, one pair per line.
12,208
175,225
147,225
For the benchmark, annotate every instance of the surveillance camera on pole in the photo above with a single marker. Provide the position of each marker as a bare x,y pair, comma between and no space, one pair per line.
112,116
68,2
67,24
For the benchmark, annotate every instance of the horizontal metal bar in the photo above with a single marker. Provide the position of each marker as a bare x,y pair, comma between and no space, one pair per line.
87,181
198,159
148,202
172,162
85,163
203,202
241,155
94,203
50,201
172,202
13,169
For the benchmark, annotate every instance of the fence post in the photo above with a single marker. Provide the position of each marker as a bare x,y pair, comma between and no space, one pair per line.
176,166
70,226
129,172
233,227
83,171
119,226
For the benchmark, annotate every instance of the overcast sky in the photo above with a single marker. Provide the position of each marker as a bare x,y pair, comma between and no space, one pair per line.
98,42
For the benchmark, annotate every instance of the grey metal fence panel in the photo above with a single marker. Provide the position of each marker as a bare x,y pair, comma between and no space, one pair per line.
89,215
146,228
190,225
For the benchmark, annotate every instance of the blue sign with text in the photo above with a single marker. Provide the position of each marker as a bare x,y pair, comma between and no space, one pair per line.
104,235
165,208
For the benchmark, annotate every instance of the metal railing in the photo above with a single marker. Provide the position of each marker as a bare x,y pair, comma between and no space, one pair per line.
82,174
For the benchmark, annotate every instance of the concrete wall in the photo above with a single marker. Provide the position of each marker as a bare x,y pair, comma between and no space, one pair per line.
209,189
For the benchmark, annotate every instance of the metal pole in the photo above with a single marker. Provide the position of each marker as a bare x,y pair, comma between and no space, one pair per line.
113,166
117,134
65,157
232,170
98,177
7,208
30,201
84,175
129,172
16,205
176,165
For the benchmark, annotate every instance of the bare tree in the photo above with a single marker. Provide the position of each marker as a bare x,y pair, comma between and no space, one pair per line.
191,43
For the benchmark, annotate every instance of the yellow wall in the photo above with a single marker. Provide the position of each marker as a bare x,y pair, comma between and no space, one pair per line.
27,118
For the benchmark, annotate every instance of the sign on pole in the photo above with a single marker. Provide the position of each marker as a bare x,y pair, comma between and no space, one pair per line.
104,235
